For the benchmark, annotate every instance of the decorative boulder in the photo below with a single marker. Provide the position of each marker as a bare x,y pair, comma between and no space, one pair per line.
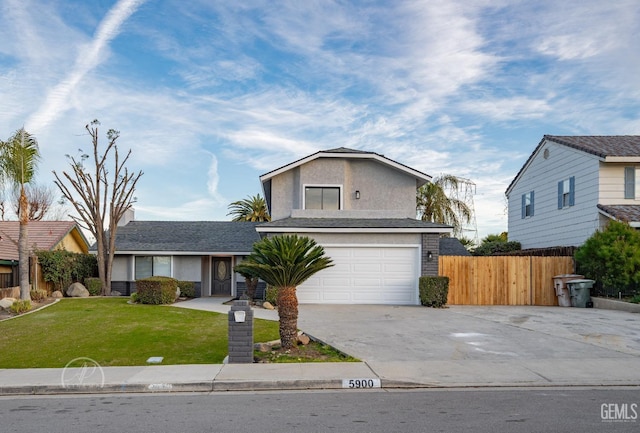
77,290
268,306
115,293
6,303
57,294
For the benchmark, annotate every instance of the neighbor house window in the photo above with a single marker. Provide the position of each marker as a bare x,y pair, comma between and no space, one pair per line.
630,182
152,266
566,192
527,204
322,197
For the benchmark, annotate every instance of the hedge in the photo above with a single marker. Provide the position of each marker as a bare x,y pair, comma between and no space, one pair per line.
157,290
434,291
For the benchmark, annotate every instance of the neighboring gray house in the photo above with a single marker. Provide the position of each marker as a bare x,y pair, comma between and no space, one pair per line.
360,206
572,186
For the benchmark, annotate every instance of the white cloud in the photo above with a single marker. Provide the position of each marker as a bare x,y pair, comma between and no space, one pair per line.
88,58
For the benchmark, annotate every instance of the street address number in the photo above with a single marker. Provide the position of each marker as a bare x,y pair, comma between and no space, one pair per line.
360,383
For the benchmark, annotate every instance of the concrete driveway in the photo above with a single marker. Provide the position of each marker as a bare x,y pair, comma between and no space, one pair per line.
484,344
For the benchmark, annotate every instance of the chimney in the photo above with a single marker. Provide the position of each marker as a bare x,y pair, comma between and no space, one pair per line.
128,216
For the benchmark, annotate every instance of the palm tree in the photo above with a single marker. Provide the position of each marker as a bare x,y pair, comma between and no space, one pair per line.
285,262
250,209
433,204
18,161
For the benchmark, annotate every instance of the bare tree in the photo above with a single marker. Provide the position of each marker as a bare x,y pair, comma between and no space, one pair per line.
39,201
104,197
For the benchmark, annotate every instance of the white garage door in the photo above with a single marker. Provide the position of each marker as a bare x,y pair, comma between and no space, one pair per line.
365,275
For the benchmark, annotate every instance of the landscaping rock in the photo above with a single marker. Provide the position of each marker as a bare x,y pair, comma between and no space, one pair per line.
77,290
268,306
6,303
57,294
115,293
262,347
303,339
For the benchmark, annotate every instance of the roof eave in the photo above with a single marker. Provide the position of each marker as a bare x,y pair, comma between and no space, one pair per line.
368,155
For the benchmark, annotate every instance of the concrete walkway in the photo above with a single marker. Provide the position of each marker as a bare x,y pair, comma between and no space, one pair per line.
460,346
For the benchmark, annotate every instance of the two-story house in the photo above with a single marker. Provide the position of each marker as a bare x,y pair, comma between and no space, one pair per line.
571,186
360,206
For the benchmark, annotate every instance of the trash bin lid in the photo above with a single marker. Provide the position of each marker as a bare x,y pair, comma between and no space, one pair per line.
580,281
577,276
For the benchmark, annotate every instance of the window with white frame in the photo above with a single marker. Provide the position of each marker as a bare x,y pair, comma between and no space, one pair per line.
527,204
566,192
630,182
152,266
322,197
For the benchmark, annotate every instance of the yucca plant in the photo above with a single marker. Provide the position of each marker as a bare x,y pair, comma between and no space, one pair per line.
285,262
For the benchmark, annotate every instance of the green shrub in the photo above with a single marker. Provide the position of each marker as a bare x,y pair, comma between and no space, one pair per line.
187,289
434,291
93,285
157,290
61,268
134,298
271,295
38,294
611,257
20,306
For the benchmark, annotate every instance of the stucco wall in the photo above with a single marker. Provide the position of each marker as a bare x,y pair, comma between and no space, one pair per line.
381,189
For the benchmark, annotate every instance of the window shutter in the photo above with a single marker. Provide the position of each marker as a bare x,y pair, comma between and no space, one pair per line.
560,195
572,190
532,203
524,206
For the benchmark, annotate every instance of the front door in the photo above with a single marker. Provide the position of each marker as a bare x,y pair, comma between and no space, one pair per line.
221,276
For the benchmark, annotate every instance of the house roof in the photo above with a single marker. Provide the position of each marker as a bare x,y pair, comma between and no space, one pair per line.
609,147
352,225
43,235
626,213
452,247
197,237
343,152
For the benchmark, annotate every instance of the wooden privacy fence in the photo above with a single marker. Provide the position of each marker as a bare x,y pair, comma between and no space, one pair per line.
503,280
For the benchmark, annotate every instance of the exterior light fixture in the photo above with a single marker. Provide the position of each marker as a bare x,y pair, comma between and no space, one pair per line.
429,256
357,194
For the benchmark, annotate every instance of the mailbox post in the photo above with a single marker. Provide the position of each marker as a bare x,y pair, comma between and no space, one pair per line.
240,333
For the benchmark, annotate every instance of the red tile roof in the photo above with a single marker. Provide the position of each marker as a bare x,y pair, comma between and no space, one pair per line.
43,235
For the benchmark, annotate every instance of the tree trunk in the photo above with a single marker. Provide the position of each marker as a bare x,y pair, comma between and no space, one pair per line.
251,284
288,313
23,248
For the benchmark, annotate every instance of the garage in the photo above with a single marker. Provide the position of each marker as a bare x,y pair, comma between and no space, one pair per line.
365,275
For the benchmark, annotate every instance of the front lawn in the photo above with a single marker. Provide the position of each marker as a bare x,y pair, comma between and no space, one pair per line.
114,333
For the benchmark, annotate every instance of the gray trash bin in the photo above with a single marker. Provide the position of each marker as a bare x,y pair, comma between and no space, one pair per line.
562,290
580,291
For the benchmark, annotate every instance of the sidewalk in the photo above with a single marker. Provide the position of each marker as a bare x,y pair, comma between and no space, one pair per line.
260,377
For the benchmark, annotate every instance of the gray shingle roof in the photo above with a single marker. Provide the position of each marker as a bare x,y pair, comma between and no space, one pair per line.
452,247
187,236
353,223
601,145
626,213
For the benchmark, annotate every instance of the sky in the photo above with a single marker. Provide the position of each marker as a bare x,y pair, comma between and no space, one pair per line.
208,95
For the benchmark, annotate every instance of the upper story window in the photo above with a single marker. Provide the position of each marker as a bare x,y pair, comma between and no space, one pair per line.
630,182
527,204
566,192
152,266
322,197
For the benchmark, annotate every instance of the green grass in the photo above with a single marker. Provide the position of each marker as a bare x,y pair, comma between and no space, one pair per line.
115,333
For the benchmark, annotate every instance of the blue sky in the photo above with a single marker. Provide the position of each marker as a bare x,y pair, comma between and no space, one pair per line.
210,94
